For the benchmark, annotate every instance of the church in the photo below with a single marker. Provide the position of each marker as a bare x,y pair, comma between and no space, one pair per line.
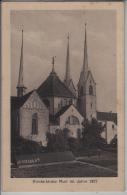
55,104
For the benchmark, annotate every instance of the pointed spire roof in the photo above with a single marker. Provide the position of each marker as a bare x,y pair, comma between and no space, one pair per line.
84,72
20,86
20,78
85,59
67,74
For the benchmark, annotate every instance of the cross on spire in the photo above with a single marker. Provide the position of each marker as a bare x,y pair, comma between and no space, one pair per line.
53,63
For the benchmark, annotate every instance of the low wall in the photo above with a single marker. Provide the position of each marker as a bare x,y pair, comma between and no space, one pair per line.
44,158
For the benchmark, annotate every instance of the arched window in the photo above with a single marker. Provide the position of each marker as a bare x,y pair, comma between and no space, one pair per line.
34,124
90,90
72,120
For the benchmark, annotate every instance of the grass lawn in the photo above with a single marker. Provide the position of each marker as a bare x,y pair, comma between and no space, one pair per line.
68,169
103,164
105,159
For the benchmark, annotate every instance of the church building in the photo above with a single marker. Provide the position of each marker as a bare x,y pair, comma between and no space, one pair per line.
86,88
55,104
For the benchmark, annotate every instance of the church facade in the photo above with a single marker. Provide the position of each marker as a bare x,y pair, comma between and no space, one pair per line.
29,117
55,104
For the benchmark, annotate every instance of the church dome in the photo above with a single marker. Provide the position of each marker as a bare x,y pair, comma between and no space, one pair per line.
54,87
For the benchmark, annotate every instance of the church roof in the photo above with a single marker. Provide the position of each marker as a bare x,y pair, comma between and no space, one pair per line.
107,116
53,86
55,119
17,102
83,78
62,110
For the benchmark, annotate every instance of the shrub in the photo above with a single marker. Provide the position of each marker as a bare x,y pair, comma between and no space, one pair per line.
57,142
74,144
24,146
92,134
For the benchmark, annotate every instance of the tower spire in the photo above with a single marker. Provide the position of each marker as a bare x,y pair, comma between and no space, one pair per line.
20,87
85,59
67,74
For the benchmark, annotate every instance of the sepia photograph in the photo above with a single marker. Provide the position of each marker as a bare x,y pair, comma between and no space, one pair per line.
63,94
64,109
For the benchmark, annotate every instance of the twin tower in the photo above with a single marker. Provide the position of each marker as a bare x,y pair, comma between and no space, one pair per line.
86,87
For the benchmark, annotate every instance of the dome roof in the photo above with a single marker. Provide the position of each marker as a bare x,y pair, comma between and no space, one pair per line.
54,87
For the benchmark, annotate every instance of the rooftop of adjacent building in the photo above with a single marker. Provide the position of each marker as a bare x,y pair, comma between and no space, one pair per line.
107,116
17,102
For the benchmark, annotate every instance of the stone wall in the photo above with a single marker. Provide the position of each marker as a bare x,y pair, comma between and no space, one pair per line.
31,106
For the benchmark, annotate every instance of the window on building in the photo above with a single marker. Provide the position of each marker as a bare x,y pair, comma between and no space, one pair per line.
70,101
90,90
34,104
72,120
91,105
34,124
65,102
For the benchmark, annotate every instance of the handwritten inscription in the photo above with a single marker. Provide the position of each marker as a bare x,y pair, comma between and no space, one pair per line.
28,161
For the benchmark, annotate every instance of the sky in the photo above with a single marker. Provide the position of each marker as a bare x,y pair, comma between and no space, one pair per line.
45,35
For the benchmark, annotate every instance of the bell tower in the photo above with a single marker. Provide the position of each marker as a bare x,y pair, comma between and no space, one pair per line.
86,88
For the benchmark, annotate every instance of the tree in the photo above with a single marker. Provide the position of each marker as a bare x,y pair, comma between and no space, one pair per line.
74,144
57,142
91,137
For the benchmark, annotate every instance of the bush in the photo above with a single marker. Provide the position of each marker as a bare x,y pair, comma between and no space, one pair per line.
74,144
92,134
24,146
57,142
